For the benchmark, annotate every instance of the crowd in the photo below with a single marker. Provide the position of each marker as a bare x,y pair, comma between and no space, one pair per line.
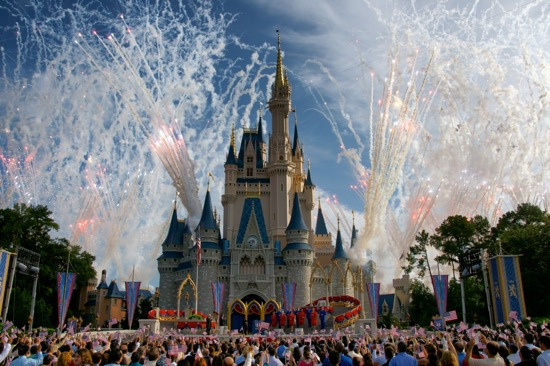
467,348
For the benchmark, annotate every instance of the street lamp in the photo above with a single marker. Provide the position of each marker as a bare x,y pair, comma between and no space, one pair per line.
28,264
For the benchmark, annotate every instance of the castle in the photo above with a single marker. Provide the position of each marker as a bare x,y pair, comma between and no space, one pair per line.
268,235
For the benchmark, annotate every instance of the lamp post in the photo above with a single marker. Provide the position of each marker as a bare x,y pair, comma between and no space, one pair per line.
28,263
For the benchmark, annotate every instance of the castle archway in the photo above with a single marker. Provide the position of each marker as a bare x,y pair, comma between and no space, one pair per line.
245,313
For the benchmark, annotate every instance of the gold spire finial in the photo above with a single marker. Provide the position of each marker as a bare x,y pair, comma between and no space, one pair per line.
233,137
279,76
308,164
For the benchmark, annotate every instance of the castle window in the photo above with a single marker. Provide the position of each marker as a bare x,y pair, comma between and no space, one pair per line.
385,309
249,159
249,172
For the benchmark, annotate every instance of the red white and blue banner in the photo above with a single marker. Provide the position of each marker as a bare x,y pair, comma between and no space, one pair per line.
217,295
507,288
132,296
65,287
373,290
4,266
441,288
289,291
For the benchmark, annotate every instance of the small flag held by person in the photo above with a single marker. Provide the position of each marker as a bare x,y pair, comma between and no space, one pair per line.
450,316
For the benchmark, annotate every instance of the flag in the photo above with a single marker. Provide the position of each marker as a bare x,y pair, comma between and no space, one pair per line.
217,294
513,315
507,294
113,321
199,251
132,295
441,285
289,291
4,266
450,316
263,325
373,290
65,287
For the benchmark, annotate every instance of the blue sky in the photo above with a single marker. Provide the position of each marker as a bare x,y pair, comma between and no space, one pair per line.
91,130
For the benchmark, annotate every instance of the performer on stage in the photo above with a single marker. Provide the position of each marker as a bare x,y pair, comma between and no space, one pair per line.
313,318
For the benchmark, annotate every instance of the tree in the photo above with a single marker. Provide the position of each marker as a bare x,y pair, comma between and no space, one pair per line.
30,227
417,257
423,306
476,301
526,232
457,234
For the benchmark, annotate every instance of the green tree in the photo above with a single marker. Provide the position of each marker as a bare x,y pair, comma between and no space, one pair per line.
526,232
423,306
476,300
457,234
417,257
30,227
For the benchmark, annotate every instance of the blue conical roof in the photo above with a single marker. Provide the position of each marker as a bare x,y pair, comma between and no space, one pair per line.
174,234
231,158
309,182
113,291
339,252
321,227
296,219
260,131
296,142
207,219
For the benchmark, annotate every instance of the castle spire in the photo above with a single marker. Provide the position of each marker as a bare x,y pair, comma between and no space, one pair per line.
296,142
320,227
296,219
279,75
339,252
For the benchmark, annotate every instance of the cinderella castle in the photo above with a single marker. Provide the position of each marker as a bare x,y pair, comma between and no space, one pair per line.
268,239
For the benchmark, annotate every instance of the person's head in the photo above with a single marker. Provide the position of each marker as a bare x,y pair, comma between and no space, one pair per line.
23,350
334,358
544,342
513,348
448,359
115,356
529,338
339,347
83,357
307,353
459,346
64,359
135,357
525,353
271,351
503,351
389,352
48,360
153,354
228,361
492,348
430,348
199,362
96,358
401,347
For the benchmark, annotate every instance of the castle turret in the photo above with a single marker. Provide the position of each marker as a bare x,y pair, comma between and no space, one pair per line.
341,282
298,255
322,240
228,198
280,167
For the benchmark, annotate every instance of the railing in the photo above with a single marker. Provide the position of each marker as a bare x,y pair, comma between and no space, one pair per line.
251,278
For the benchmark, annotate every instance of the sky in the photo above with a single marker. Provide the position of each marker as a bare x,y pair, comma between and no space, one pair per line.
409,111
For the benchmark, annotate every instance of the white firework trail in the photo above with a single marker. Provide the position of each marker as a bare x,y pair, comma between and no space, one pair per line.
149,94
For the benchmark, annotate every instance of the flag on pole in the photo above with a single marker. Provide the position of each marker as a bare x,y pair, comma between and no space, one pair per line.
65,287
217,294
289,291
113,321
132,295
198,250
441,286
373,290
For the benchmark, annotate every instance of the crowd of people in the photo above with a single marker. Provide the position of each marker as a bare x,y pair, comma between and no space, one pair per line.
172,348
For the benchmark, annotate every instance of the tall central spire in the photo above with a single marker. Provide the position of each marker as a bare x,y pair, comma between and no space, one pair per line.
279,76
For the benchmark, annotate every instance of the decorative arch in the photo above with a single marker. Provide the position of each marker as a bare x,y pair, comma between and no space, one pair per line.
187,279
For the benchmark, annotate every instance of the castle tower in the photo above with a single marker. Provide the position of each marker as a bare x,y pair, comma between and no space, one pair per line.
323,240
341,281
298,254
168,261
229,197
208,233
280,167
309,196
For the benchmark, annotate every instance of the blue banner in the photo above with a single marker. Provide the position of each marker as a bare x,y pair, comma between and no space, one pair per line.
132,296
217,295
507,294
65,287
441,287
373,291
289,291
4,266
